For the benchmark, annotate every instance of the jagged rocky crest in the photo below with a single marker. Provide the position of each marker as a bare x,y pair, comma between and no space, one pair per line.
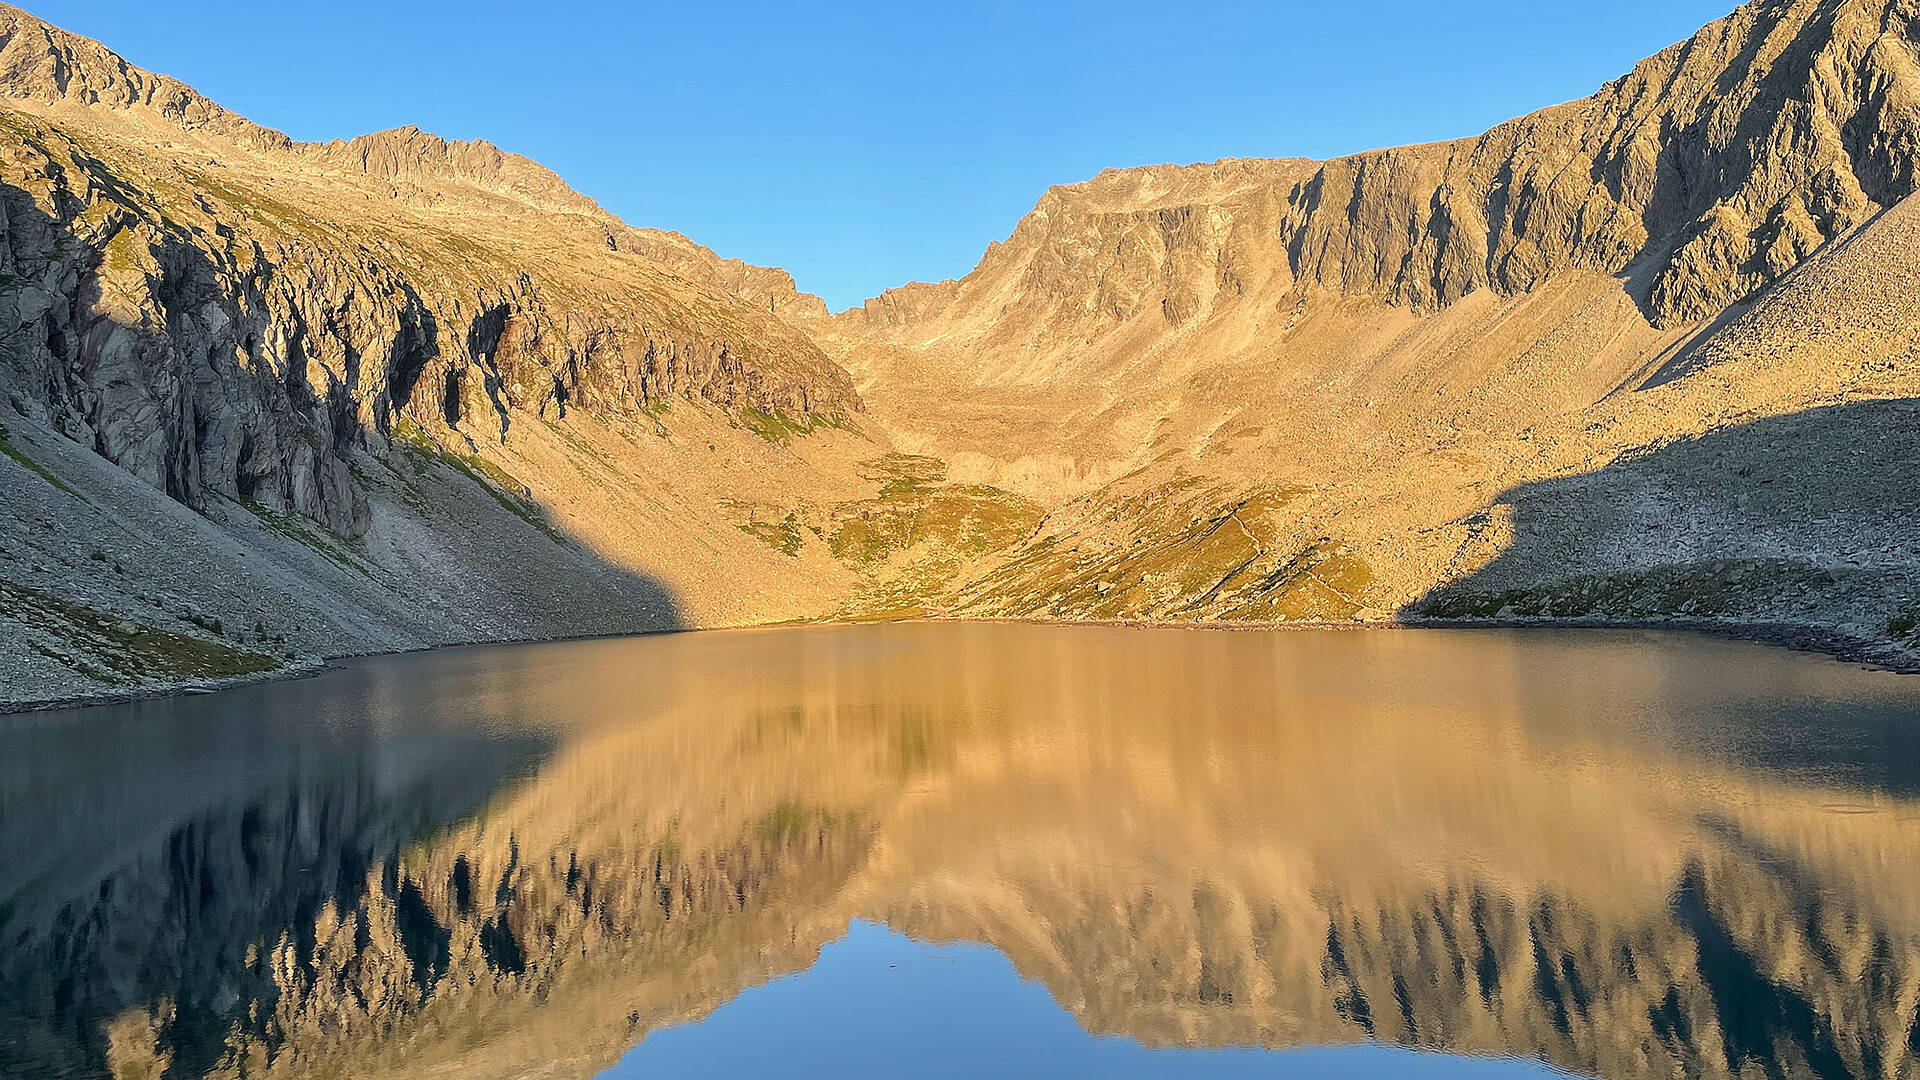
1708,172
47,64
1278,390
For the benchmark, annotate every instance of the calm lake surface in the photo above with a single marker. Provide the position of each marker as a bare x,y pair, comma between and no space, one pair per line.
949,850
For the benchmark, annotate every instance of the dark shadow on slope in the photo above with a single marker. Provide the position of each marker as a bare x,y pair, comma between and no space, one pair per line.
513,564
1685,356
166,867
1801,520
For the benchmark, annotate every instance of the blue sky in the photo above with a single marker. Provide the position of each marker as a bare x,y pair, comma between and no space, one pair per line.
861,145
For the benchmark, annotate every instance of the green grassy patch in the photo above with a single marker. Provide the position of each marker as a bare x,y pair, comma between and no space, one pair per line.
899,474
775,427
1902,625
1321,583
121,252
1176,552
1703,590
919,535
309,534
579,445
14,452
256,204
784,537
785,822
119,650
915,506
466,248
969,519
779,428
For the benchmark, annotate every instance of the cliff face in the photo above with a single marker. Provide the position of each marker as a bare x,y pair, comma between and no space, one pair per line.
224,326
1711,169
47,64
1533,373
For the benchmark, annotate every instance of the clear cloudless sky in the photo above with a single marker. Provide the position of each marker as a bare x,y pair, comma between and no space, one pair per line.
863,144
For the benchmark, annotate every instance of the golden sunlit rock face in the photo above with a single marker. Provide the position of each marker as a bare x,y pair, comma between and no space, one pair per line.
1621,854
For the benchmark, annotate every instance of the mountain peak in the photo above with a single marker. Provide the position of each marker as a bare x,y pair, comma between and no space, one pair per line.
408,154
41,62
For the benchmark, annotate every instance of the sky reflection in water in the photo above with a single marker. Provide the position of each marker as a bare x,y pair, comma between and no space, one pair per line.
877,1003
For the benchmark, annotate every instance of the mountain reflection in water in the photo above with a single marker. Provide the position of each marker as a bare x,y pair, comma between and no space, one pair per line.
1618,854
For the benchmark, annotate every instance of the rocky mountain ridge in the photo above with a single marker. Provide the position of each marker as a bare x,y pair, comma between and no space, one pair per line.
1710,170
390,380
1280,390
46,65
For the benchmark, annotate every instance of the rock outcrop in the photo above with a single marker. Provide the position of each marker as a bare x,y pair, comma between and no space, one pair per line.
345,342
210,330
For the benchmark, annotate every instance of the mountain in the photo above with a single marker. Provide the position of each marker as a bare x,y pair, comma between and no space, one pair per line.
1643,354
269,402
1646,355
